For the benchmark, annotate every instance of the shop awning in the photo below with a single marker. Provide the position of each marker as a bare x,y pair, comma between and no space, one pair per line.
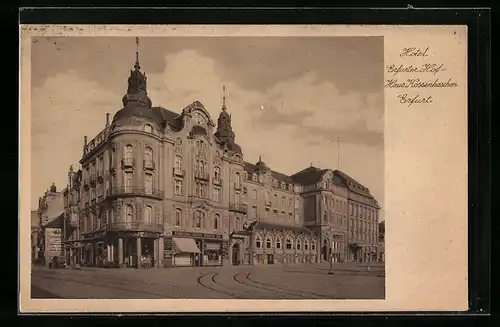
186,245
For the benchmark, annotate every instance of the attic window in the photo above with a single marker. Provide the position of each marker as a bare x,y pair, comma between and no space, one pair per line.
148,128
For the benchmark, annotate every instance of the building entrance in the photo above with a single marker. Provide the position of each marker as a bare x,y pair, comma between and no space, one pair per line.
236,254
270,259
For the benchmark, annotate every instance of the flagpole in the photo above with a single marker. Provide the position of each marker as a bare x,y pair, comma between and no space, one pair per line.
338,153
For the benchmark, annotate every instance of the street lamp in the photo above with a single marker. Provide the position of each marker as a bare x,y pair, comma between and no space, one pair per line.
330,272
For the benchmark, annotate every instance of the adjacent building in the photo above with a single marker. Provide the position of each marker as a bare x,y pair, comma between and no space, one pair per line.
159,188
381,242
50,216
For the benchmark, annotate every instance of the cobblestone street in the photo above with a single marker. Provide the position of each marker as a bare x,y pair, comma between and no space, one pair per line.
348,281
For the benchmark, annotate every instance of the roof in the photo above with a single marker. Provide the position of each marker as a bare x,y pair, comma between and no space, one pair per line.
308,176
251,168
352,184
55,223
260,225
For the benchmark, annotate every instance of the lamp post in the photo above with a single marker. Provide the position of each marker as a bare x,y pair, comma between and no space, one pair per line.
330,272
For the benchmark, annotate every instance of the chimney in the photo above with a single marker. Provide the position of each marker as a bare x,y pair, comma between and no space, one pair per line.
107,119
85,140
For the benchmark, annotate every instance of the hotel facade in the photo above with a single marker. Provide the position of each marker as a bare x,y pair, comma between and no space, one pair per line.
164,189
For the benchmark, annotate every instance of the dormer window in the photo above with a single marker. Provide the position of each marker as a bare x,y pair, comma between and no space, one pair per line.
254,177
148,128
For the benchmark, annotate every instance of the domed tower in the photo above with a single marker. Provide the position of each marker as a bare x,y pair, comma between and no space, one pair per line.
53,188
224,130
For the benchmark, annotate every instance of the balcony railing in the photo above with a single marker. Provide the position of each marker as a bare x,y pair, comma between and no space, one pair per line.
239,207
149,164
202,175
134,226
134,191
179,172
127,162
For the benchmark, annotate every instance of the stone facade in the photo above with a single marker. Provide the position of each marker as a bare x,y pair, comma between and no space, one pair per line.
160,189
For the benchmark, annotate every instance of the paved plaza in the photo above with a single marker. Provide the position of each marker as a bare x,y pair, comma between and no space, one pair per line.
311,281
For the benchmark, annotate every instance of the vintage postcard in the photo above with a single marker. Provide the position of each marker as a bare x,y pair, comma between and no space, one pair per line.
243,168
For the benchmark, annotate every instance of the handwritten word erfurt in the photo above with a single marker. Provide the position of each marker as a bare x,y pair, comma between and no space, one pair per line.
430,71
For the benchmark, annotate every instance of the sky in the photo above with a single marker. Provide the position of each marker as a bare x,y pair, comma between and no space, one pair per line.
293,100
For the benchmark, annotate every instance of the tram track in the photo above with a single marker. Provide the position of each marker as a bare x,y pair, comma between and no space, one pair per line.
214,282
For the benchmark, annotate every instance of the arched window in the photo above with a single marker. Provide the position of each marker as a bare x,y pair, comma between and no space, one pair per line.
178,164
128,152
217,173
148,128
299,244
258,242
289,243
148,215
216,221
178,217
237,182
268,243
278,242
198,219
254,194
313,245
306,244
128,213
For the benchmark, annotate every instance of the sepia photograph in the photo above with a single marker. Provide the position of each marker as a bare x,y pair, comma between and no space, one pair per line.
207,167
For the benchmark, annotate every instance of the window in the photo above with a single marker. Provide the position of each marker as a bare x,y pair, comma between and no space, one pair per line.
313,245
289,243
275,199
178,187
283,215
290,202
282,200
127,152
306,244
148,183
267,198
216,194
290,187
128,182
275,213
254,177
254,212
275,183
198,219
297,203
278,242
148,215
237,198
290,216
217,173
216,222
148,128
177,217
268,243
258,242
178,164
148,155
254,194
299,244
128,213
237,181
282,185
266,212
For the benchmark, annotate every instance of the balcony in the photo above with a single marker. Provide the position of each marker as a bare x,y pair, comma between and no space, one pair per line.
237,186
134,191
128,163
217,180
149,165
238,207
202,175
178,172
135,226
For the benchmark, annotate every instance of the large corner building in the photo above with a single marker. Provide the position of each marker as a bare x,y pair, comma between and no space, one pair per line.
159,188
